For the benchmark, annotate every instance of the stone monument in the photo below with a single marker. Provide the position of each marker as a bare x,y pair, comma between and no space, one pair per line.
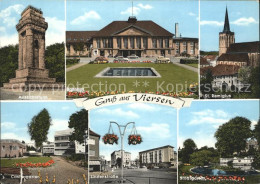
31,70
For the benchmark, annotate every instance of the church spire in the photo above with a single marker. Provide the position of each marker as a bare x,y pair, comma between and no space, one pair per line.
226,25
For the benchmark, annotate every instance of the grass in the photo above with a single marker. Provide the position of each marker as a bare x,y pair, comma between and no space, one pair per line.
170,76
10,162
195,65
69,65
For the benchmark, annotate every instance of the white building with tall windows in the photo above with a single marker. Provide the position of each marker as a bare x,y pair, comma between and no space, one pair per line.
117,154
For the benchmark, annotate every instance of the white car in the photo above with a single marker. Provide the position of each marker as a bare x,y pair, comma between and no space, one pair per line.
133,56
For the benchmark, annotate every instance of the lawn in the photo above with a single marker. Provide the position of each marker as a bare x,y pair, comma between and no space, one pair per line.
10,162
171,75
195,65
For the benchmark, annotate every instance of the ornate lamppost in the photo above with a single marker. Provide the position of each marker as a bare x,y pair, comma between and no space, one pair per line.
111,138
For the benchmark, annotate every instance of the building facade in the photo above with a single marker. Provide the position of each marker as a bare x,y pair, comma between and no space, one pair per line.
93,151
125,38
12,148
62,143
245,164
157,156
48,148
117,154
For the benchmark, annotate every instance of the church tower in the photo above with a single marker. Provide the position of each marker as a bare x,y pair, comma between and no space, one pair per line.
226,37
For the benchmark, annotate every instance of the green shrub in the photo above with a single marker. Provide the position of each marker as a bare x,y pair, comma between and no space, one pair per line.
189,61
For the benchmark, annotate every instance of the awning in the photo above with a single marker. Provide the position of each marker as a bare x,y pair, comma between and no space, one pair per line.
94,162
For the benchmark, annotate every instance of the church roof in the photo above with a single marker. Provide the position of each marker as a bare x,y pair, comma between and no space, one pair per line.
79,36
246,47
226,28
147,26
203,61
236,57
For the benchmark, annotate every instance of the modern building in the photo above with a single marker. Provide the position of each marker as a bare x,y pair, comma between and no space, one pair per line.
117,154
48,148
12,148
93,151
157,156
232,57
143,38
244,164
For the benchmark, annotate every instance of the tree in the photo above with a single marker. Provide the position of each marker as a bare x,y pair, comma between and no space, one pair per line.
39,126
79,122
256,162
206,82
189,147
254,81
244,73
257,132
201,158
118,162
55,61
232,136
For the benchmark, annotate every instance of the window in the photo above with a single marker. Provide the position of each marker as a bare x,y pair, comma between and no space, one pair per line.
145,42
68,47
110,43
166,42
154,43
161,43
138,42
92,153
160,155
151,157
184,46
119,42
126,43
3,147
104,43
132,42
98,43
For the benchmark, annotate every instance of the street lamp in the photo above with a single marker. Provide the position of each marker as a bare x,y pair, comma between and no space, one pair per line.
122,129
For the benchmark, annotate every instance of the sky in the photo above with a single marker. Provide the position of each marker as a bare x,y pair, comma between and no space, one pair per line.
16,115
10,14
94,15
202,119
243,18
157,125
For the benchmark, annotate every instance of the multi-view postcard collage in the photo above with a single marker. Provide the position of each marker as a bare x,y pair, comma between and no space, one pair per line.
134,92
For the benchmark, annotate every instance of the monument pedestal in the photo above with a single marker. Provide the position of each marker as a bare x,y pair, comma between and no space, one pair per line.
35,78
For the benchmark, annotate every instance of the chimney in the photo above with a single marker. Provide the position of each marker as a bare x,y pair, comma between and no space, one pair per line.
176,30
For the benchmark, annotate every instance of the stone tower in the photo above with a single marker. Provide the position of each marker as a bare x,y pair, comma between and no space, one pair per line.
31,60
226,37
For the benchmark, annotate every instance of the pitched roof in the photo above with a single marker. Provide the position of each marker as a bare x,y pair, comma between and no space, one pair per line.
211,57
226,28
79,36
149,27
93,133
203,61
240,57
247,47
221,70
184,38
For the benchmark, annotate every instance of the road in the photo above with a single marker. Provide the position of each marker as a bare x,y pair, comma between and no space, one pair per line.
140,176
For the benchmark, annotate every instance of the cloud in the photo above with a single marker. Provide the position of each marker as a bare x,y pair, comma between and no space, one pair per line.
136,10
56,30
243,21
253,124
8,125
142,107
211,23
130,10
9,135
57,124
87,16
215,118
155,130
118,112
65,107
6,14
146,7
191,14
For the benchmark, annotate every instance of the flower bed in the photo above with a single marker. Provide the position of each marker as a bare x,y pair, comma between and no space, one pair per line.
134,139
30,164
110,139
75,94
125,61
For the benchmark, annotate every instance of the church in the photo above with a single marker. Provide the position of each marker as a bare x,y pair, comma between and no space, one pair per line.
143,38
232,57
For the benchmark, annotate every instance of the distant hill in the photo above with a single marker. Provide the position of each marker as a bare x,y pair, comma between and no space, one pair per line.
208,52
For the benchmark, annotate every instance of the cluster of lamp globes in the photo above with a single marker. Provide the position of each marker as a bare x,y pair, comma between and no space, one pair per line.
112,138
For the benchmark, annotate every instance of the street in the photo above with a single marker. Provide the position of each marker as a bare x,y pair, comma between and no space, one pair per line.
139,176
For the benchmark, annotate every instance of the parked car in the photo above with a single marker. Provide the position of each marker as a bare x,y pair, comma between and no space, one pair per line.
121,59
162,59
132,56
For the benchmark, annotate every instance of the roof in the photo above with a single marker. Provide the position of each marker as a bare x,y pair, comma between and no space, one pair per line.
79,36
221,70
33,8
211,57
226,28
247,47
203,61
147,26
184,38
167,146
93,133
11,141
236,57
